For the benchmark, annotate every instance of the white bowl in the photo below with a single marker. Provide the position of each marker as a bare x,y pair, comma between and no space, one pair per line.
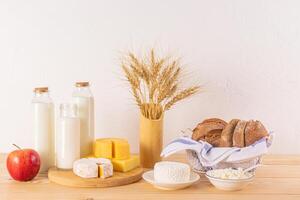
229,184
149,177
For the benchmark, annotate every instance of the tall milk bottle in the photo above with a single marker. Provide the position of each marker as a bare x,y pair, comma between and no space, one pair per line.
43,127
83,98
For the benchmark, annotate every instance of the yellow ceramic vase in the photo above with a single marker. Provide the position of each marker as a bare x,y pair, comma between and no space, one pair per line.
151,141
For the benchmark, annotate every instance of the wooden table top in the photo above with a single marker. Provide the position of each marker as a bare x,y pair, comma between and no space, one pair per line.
278,178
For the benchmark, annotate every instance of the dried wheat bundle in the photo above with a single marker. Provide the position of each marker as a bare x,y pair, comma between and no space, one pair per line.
154,83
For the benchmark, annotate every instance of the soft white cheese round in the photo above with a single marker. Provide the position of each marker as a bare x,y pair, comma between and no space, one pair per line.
171,172
89,167
85,168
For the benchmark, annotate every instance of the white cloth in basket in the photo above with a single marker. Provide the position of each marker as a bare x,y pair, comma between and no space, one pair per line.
202,156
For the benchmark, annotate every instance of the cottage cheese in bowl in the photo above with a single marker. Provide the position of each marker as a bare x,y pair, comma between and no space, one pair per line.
229,173
229,178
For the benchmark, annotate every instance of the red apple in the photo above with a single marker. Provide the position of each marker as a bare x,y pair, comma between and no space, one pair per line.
23,164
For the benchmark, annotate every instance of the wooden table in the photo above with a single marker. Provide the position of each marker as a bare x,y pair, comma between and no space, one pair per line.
278,178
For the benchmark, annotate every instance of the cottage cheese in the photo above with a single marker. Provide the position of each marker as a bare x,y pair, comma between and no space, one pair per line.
171,172
229,173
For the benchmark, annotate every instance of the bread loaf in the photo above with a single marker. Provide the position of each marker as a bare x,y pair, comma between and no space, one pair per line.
227,133
254,131
237,133
213,137
214,120
210,131
238,139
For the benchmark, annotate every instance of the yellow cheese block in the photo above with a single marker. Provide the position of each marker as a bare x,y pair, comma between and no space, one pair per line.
121,149
112,148
126,165
103,148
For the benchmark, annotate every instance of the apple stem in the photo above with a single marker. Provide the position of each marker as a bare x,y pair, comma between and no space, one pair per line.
17,146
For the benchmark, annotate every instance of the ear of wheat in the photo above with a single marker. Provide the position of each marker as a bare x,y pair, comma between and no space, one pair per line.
154,83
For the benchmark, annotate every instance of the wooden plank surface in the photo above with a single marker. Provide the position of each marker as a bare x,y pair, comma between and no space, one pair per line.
278,178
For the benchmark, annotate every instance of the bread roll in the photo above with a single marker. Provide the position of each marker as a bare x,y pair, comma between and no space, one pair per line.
227,133
254,131
238,134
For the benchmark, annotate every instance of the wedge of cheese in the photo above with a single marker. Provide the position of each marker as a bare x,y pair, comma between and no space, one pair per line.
112,148
103,148
105,170
126,165
93,168
105,167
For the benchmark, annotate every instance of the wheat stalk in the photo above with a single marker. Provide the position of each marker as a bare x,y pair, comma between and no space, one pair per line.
134,83
170,84
154,83
181,95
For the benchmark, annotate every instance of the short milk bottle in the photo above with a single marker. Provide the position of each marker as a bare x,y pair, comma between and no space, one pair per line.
83,98
68,136
43,127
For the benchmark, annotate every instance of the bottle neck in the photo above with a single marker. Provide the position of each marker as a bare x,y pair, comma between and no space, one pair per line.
42,94
82,91
85,88
42,97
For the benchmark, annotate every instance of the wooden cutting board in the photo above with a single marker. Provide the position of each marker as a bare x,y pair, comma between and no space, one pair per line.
68,178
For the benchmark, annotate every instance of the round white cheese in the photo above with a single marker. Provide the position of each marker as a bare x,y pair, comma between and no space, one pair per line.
171,172
85,168
93,168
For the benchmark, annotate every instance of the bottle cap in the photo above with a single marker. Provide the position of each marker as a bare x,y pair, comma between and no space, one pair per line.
82,84
41,90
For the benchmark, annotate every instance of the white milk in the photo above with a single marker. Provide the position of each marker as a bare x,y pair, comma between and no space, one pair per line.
84,100
43,127
68,137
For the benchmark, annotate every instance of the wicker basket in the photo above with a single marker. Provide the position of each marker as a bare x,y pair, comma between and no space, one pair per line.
203,157
196,165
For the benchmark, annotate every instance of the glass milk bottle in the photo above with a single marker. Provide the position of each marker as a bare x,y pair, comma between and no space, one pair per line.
68,137
43,127
83,98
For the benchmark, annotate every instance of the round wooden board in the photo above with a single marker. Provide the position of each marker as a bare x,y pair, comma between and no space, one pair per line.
68,178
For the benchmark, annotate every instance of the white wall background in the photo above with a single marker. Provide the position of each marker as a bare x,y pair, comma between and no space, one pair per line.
246,54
